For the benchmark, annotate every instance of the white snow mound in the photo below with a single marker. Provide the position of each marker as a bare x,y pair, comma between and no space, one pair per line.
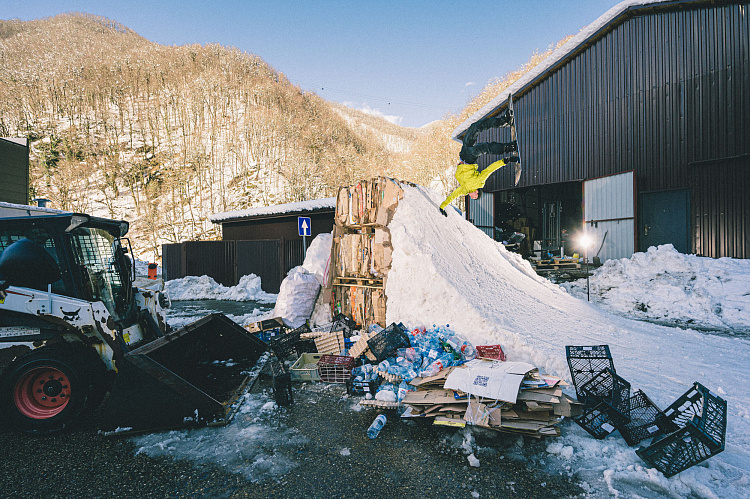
665,285
205,288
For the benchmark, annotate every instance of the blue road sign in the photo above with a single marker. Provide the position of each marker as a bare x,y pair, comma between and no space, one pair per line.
304,225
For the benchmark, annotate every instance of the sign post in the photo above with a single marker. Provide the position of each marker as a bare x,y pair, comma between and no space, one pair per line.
305,229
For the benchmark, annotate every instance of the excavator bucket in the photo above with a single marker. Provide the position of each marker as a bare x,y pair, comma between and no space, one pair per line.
191,377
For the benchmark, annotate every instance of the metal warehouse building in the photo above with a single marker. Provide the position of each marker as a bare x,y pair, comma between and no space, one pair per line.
638,129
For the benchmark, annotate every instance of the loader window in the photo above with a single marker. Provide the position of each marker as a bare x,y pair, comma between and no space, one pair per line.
96,252
39,236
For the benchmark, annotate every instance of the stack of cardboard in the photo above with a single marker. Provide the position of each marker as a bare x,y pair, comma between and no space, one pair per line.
362,249
503,396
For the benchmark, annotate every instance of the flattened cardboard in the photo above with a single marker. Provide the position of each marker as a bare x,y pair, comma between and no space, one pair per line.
494,380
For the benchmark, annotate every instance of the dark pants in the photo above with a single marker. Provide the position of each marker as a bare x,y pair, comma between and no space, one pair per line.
471,150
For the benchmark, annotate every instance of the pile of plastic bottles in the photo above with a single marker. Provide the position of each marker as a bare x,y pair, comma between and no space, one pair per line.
431,351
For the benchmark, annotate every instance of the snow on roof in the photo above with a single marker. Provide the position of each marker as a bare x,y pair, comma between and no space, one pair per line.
279,209
19,210
556,56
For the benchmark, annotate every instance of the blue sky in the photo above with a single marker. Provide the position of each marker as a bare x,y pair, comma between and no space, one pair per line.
412,61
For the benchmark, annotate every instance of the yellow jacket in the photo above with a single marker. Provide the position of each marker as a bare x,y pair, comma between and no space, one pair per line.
470,179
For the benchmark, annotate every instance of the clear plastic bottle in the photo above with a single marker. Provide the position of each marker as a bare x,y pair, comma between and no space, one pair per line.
374,430
383,366
443,360
462,346
403,389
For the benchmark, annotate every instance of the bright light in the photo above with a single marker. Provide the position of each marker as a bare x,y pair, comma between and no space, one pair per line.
585,241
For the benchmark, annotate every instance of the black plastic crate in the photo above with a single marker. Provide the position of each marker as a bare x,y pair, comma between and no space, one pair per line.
600,420
286,344
282,383
646,420
607,404
585,362
343,323
701,418
609,388
387,341
361,388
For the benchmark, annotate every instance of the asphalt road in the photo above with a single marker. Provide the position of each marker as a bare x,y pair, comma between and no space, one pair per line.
408,459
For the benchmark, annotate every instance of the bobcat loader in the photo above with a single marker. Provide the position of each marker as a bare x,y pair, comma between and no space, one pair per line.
75,331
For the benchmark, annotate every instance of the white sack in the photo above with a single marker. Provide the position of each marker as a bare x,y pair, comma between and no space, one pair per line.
297,296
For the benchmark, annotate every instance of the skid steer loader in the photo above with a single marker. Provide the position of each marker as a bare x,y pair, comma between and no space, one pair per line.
74,331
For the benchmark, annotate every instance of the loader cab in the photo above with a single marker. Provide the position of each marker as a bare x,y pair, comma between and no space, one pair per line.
90,252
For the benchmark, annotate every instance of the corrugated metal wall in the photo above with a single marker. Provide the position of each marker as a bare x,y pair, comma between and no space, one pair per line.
661,93
14,165
482,213
227,261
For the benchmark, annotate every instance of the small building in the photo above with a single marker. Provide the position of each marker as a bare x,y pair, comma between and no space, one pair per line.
14,165
262,241
636,131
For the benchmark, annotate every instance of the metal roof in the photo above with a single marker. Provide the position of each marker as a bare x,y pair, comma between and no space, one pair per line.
606,22
280,209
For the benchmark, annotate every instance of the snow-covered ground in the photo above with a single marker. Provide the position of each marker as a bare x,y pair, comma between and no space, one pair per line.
446,271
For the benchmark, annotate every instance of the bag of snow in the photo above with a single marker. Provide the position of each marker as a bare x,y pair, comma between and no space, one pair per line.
297,297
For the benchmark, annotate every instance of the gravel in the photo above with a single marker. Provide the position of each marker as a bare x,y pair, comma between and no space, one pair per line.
409,458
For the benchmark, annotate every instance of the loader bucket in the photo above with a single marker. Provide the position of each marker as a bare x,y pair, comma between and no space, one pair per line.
191,377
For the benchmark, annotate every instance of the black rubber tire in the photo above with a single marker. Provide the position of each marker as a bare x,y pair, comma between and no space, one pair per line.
52,359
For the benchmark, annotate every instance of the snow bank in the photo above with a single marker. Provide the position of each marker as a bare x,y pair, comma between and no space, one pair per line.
445,270
665,285
205,288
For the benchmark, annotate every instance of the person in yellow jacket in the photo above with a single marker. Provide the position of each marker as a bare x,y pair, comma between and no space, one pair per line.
470,180
469,177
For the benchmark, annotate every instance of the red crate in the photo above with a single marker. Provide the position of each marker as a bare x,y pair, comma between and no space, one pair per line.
335,368
491,352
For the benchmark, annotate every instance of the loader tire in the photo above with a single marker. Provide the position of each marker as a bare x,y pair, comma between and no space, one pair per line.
44,391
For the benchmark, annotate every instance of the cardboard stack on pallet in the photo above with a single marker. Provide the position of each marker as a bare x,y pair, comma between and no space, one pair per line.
361,250
508,397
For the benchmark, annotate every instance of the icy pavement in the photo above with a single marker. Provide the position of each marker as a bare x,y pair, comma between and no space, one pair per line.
255,444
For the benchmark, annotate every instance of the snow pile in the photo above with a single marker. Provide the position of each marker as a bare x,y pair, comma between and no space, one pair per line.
446,271
667,286
205,288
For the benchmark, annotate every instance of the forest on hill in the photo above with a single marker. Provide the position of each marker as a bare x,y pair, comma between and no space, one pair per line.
164,136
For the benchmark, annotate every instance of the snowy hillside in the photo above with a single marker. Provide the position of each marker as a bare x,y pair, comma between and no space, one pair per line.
447,271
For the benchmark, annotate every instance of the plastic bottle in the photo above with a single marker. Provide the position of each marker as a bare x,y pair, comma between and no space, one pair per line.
374,430
462,346
403,388
383,366
444,360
